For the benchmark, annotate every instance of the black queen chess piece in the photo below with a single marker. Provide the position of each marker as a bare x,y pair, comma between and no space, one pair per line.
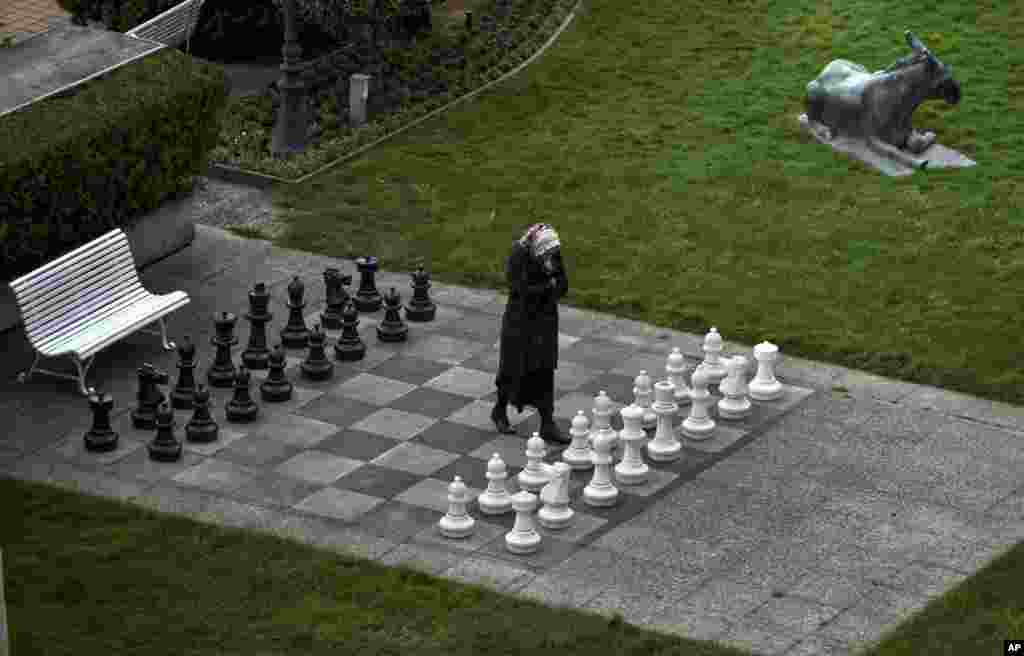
201,427
276,387
420,307
165,447
337,296
392,328
184,391
316,366
149,397
350,346
241,408
295,335
101,437
256,353
222,372
367,298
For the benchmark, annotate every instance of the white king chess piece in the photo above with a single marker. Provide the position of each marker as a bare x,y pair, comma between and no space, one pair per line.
712,364
556,514
765,387
632,470
699,425
664,447
457,523
675,371
579,455
734,403
643,390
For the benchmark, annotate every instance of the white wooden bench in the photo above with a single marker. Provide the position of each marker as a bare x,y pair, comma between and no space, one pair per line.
86,300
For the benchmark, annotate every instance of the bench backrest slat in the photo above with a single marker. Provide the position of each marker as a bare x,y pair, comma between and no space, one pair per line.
94,310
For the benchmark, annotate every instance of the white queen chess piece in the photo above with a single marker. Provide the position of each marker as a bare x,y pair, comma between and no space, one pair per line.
495,500
556,514
643,390
712,364
675,371
632,470
699,425
734,404
535,474
579,454
601,491
665,447
523,538
457,523
765,387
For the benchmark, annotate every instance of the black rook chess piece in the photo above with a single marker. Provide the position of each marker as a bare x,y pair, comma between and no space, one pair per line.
276,387
420,307
392,328
201,427
165,447
316,366
368,299
222,372
181,395
350,346
295,334
101,437
144,416
241,408
337,296
256,354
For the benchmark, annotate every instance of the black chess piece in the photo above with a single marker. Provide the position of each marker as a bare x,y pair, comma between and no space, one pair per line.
222,372
337,296
350,346
368,299
276,387
185,389
256,354
201,427
420,307
295,334
149,397
392,328
101,437
165,447
241,407
316,366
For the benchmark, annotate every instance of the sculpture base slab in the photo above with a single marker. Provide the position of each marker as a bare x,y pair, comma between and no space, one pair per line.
938,156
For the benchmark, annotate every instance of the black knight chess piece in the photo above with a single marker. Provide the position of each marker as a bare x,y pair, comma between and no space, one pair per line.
222,372
316,366
392,328
149,397
256,353
350,346
165,447
185,389
295,334
337,296
100,437
420,307
201,427
367,298
276,387
241,408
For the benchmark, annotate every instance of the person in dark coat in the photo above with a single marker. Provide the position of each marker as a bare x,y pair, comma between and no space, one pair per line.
529,330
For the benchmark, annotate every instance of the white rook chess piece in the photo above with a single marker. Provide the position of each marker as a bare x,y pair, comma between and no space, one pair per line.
495,500
712,351
699,425
535,474
602,424
765,387
523,538
675,370
457,523
555,513
632,470
601,491
579,454
734,404
643,390
664,447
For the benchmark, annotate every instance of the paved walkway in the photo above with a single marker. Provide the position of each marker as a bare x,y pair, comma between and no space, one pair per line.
832,524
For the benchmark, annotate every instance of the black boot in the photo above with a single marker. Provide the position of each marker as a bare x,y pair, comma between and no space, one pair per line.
549,430
499,415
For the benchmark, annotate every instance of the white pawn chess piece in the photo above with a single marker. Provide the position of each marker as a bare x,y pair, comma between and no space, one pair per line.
601,491
699,425
765,387
675,370
665,447
556,514
643,390
734,404
632,470
535,474
457,523
523,538
602,424
495,500
579,454
712,361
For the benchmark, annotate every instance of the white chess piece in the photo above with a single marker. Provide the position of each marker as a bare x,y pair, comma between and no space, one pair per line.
643,390
602,424
457,523
712,361
632,470
601,491
734,404
495,500
699,425
535,474
523,538
579,454
665,447
765,387
675,370
556,514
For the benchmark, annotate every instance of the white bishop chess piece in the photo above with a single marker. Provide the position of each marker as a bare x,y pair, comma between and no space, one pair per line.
523,538
579,454
765,387
535,474
665,447
602,424
556,514
712,363
601,491
495,500
699,425
675,370
734,403
632,470
457,523
643,390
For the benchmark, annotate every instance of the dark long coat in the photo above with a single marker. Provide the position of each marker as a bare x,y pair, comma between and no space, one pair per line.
529,329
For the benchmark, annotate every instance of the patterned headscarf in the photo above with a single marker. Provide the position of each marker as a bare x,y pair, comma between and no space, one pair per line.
540,238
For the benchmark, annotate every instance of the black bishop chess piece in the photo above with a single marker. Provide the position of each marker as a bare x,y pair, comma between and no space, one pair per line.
149,397
276,387
241,408
185,389
165,447
256,354
392,328
101,437
350,346
367,298
420,307
316,366
295,335
201,427
337,296
222,372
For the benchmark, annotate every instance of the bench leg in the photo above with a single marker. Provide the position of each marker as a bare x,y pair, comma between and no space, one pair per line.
168,345
80,365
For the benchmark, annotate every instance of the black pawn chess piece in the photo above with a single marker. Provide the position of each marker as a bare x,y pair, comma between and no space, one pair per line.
295,334
276,387
368,299
337,296
350,346
149,397
392,328
183,392
241,407
222,372
101,437
316,366
420,307
256,354
165,447
201,427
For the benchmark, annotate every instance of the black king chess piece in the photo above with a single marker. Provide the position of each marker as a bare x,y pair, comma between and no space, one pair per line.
337,296
295,334
368,299
222,372
420,307
144,416
201,427
276,387
241,407
392,328
184,391
350,346
256,354
316,366
165,447
101,437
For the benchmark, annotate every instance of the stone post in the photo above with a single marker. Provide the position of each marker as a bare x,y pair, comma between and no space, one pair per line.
358,92
291,128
